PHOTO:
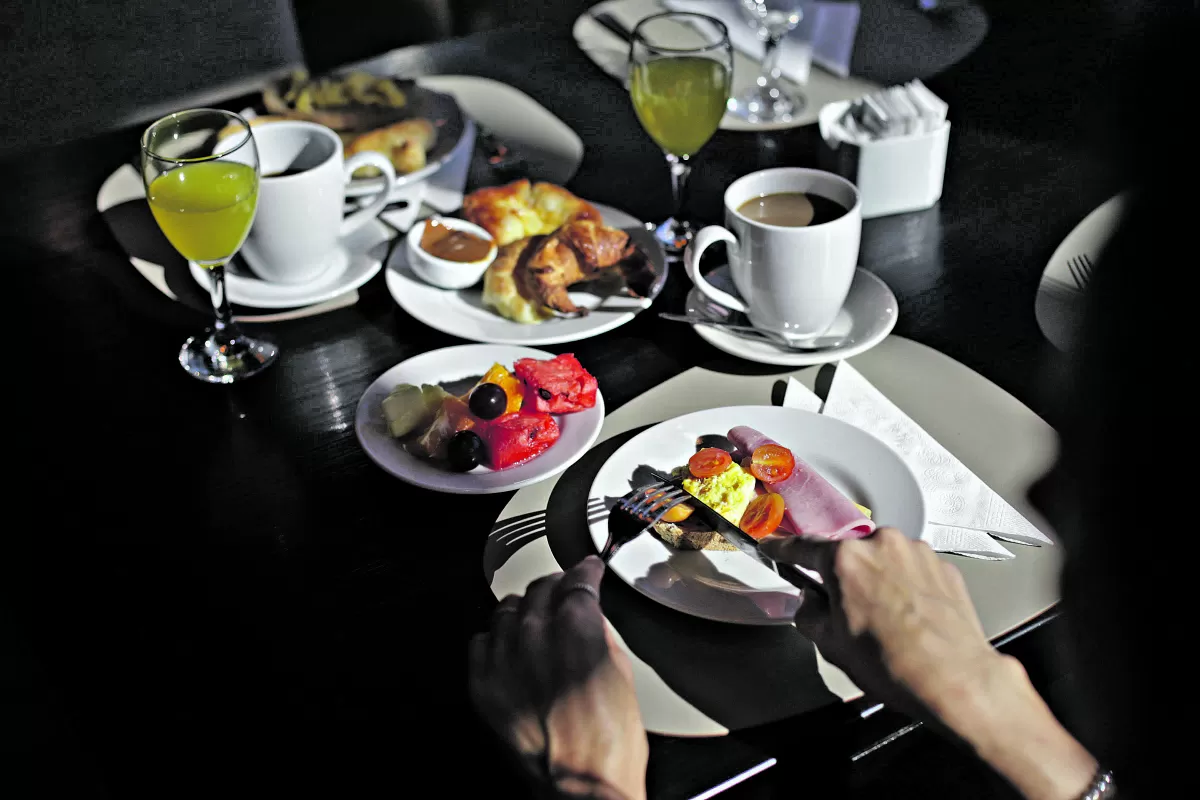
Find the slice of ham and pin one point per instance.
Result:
(814, 507)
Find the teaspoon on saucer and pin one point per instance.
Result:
(819, 343)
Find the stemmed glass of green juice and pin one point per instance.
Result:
(201, 172)
(680, 69)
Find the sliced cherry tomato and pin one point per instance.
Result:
(708, 462)
(679, 513)
(763, 515)
(772, 463)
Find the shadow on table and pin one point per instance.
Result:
(740, 676)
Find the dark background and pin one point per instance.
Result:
(116, 538)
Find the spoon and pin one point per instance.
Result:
(777, 339)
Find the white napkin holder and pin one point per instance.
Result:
(893, 175)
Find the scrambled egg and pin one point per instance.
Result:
(728, 493)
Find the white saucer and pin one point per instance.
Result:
(578, 431)
(731, 586)
(362, 257)
(865, 320)
(1059, 303)
(462, 313)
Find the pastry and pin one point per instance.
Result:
(521, 209)
(504, 293)
(576, 252)
(404, 144)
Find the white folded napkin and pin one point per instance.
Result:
(941, 532)
(825, 36)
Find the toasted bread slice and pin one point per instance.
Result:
(690, 535)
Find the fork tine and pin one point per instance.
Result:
(1086, 262)
(669, 498)
(653, 501)
(638, 495)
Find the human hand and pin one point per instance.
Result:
(900, 623)
(550, 681)
(897, 619)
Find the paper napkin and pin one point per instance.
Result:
(825, 36)
(941, 535)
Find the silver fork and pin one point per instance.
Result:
(1080, 268)
(637, 511)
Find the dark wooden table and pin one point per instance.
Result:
(212, 589)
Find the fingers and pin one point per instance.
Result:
(505, 624)
(813, 616)
(579, 632)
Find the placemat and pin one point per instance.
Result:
(685, 668)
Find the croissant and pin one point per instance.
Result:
(578, 251)
(519, 209)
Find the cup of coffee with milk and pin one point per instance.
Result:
(301, 194)
(792, 237)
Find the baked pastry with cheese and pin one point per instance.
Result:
(521, 209)
(404, 144)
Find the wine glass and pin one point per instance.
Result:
(680, 68)
(201, 172)
(769, 99)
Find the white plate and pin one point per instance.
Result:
(731, 586)
(462, 313)
(579, 430)
(866, 319)
(363, 251)
(1059, 303)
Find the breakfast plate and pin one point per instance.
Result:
(462, 313)
(456, 369)
(867, 317)
(357, 259)
(729, 586)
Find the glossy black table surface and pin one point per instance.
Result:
(215, 590)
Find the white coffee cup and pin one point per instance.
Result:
(791, 280)
(296, 232)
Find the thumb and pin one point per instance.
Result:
(814, 554)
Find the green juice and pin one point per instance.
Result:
(205, 209)
(680, 101)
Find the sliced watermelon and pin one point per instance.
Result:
(559, 385)
(516, 438)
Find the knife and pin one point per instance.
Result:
(801, 579)
(613, 25)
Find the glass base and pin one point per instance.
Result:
(221, 358)
(769, 102)
(674, 235)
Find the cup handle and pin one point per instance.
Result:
(691, 262)
(365, 215)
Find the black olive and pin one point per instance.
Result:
(465, 451)
(715, 440)
(488, 401)
(544, 394)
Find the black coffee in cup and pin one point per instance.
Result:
(792, 209)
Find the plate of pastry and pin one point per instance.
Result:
(565, 269)
(416, 128)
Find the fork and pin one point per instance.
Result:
(1080, 268)
(637, 511)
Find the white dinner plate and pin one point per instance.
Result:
(1059, 303)
(361, 258)
(731, 586)
(865, 320)
(450, 364)
(462, 313)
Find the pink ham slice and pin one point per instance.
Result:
(814, 507)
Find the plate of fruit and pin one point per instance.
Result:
(479, 419)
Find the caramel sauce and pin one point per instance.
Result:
(442, 241)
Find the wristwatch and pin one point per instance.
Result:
(1101, 788)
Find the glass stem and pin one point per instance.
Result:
(770, 62)
(224, 326)
(680, 170)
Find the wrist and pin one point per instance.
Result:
(1010, 727)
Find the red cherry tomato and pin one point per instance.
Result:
(708, 462)
(763, 515)
(772, 463)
